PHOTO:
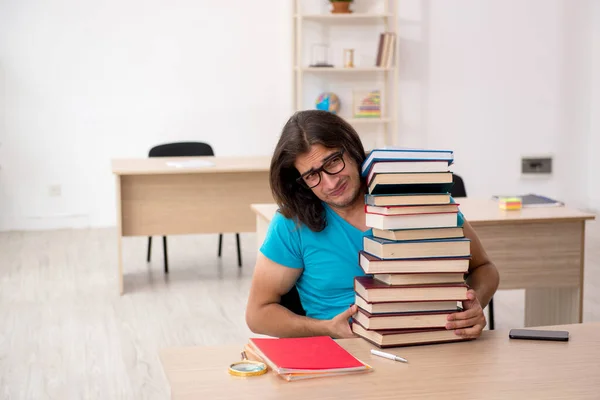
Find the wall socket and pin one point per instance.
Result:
(536, 165)
(54, 190)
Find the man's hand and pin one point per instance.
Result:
(339, 327)
(470, 322)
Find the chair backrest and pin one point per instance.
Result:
(291, 301)
(458, 188)
(181, 149)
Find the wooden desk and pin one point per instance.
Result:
(156, 199)
(540, 250)
(491, 367)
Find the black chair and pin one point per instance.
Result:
(459, 190)
(185, 149)
(291, 301)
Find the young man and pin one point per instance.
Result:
(314, 239)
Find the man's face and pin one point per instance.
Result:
(340, 189)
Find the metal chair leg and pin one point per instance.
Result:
(149, 248)
(237, 239)
(220, 243)
(165, 254)
(491, 310)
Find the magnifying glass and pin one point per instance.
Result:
(247, 367)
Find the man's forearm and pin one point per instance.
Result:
(276, 320)
(484, 280)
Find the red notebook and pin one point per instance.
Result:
(317, 354)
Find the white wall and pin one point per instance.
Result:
(497, 80)
(593, 183)
(573, 163)
(85, 81)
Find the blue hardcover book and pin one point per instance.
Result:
(399, 154)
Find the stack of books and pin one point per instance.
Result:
(417, 255)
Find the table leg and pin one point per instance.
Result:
(262, 224)
(120, 261)
(119, 234)
(552, 306)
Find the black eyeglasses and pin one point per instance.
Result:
(334, 164)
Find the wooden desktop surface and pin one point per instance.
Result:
(482, 212)
(158, 165)
(491, 367)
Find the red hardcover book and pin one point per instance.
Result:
(319, 354)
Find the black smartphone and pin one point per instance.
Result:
(537, 334)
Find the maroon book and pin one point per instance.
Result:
(375, 291)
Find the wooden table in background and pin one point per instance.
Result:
(540, 250)
(491, 367)
(154, 198)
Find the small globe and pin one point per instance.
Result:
(328, 102)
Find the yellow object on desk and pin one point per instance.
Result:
(247, 367)
(510, 203)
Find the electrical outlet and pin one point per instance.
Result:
(536, 165)
(54, 190)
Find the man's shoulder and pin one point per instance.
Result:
(289, 223)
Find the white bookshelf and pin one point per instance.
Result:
(376, 15)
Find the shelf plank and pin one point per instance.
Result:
(367, 120)
(343, 69)
(342, 17)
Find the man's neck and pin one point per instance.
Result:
(353, 213)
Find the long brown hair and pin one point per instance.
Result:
(301, 131)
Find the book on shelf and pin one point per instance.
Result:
(386, 50)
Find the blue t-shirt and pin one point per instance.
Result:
(329, 259)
